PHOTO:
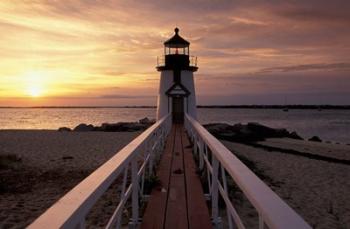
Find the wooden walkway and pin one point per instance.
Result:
(179, 202)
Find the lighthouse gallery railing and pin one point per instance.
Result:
(135, 158)
(161, 61)
(218, 161)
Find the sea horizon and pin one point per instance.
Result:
(330, 124)
(248, 106)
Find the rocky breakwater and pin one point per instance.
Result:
(245, 133)
(141, 125)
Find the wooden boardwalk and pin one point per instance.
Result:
(179, 202)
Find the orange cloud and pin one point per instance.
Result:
(88, 49)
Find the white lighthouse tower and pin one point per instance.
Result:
(176, 89)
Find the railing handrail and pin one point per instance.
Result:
(274, 211)
(68, 211)
(193, 60)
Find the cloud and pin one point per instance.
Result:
(316, 11)
(308, 67)
(117, 96)
(99, 44)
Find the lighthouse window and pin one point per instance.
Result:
(176, 50)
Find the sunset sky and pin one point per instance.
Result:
(103, 52)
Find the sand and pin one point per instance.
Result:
(317, 190)
(51, 163)
(54, 162)
(338, 151)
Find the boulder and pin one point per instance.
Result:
(267, 132)
(295, 135)
(84, 127)
(147, 121)
(144, 120)
(315, 139)
(122, 126)
(218, 127)
(250, 132)
(64, 129)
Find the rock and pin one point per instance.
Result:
(64, 129)
(251, 132)
(267, 132)
(9, 161)
(257, 127)
(294, 135)
(315, 139)
(142, 124)
(133, 126)
(84, 127)
(122, 126)
(217, 127)
(67, 157)
(147, 121)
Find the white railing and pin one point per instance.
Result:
(138, 156)
(218, 161)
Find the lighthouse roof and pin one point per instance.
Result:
(176, 41)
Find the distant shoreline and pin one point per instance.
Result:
(313, 107)
(297, 106)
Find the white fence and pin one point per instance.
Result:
(219, 161)
(137, 157)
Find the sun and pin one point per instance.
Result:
(34, 91)
(34, 83)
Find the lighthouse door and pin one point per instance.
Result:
(178, 109)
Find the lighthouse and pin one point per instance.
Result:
(177, 94)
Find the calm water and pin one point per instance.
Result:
(332, 125)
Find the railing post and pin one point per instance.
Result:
(229, 217)
(195, 145)
(208, 171)
(261, 222)
(215, 193)
(135, 195)
(81, 225)
(151, 157)
(201, 152)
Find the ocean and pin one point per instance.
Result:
(329, 125)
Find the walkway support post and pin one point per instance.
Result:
(215, 193)
(135, 195)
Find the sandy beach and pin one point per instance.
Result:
(318, 190)
(46, 165)
(49, 163)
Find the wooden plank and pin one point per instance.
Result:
(183, 205)
(154, 216)
(176, 214)
(198, 213)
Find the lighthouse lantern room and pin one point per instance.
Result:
(176, 90)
